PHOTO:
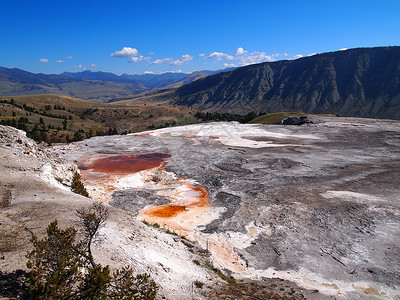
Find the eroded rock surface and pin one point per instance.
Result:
(316, 204)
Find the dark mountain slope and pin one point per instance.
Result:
(89, 75)
(20, 76)
(358, 82)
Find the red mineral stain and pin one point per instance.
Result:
(166, 211)
(106, 168)
(122, 164)
(202, 198)
(171, 210)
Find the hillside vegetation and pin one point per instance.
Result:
(57, 118)
(275, 118)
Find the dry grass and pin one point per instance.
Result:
(92, 117)
(12, 233)
(275, 118)
(7, 196)
(268, 289)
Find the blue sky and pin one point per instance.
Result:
(134, 37)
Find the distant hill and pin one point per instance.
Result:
(88, 85)
(59, 118)
(89, 75)
(148, 81)
(362, 82)
(18, 82)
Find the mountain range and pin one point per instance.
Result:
(358, 82)
(88, 85)
(148, 81)
(362, 82)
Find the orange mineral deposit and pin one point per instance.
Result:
(166, 211)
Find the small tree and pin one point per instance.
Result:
(78, 136)
(63, 268)
(77, 185)
(54, 263)
(65, 123)
(91, 220)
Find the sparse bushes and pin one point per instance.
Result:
(228, 278)
(61, 267)
(196, 262)
(198, 284)
(154, 225)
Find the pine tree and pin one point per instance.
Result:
(77, 185)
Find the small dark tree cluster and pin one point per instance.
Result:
(58, 107)
(78, 135)
(225, 117)
(63, 268)
(77, 185)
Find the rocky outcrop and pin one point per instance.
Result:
(16, 147)
(295, 121)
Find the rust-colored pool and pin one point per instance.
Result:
(120, 164)
(166, 211)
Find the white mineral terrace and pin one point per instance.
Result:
(323, 212)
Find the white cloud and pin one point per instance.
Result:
(229, 65)
(69, 57)
(177, 71)
(176, 63)
(202, 54)
(297, 56)
(217, 55)
(93, 65)
(125, 52)
(148, 72)
(136, 59)
(342, 49)
(239, 51)
(43, 60)
(220, 55)
(312, 54)
(80, 67)
(182, 60)
(255, 58)
(151, 53)
(160, 61)
(243, 57)
(186, 57)
(59, 61)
